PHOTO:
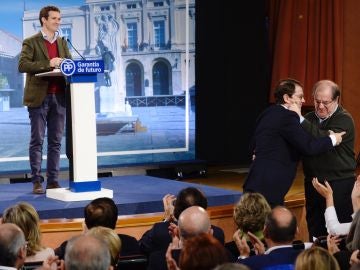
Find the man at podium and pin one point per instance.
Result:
(45, 96)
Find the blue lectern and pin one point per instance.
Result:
(83, 182)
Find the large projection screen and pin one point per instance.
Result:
(145, 102)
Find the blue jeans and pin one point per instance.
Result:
(50, 115)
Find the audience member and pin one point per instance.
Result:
(278, 143)
(334, 227)
(316, 258)
(104, 212)
(192, 221)
(87, 252)
(336, 166)
(112, 240)
(158, 237)
(25, 216)
(249, 215)
(12, 247)
(279, 232)
(343, 255)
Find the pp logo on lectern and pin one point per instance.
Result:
(67, 67)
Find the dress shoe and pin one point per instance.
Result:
(37, 188)
(52, 185)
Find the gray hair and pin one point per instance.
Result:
(86, 252)
(11, 240)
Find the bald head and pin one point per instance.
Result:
(282, 216)
(87, 252)
(280, 225)
(193, 221)
(12, 245)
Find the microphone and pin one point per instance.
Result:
(68, 40)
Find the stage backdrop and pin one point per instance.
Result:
(144, 101)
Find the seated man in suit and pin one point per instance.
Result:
(104, 212)
(279, 232)
(158, 237)
(193, 221)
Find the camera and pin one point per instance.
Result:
(321, 241)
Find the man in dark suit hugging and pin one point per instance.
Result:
(279, 141)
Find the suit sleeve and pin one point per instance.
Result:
(343, 122)
(305, 143)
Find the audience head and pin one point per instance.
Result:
(193, 221)
(25, 216)
(87, 252)
(12, 246)
(232, 266)
(111, 239)
(101, 212)
(353, 237)
(286, 87)
(316, 258)
(202, 252)
(187, 197)
(250, 212)
(280, 226)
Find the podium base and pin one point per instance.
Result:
(64, 194)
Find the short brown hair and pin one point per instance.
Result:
(286, 86)
(44, 12)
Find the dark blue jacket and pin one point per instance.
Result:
(278, 143)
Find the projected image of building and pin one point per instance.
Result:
(143, 44)
(144, 100)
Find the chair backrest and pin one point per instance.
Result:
(133, 262)
(32, 265)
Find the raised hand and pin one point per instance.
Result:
(168, 202)
(324, 190)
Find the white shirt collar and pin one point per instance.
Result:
(277, 247)
(46, 37)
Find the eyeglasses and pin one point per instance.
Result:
(325, 103)
(26, 244)
(298, 96)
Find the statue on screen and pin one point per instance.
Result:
(112, 97)
(108, 27)
(108, 58)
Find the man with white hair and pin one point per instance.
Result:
(12, 246)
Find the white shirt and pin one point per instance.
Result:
(332, 223)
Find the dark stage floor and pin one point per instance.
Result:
(133, 194)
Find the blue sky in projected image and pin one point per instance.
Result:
(11, 12)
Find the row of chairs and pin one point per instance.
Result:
(135, 262)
